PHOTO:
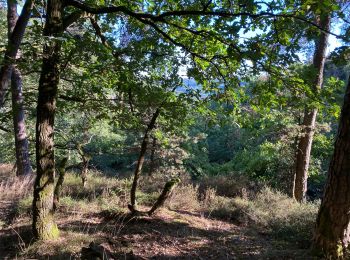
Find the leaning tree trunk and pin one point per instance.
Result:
(13, 44)
(141, 160)
(44, 226)
(331, 235)
(168, 188)
(18, 115)
(308, 126)
(152, 158)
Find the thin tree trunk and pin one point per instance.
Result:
(21, 140)
(331, 235)
(13, 45)
(305, 141)
(57, 192)
(168, 187)
(84, 170)
(44, 226)
(152, 159)
(303, 155)
(141, 160)
(84, 156)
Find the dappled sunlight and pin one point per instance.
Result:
(174, 129)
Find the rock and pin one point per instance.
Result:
(96, 252)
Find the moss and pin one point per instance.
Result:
(55, 232)
(47, 228)
(170, 184)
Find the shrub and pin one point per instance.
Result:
(269, 211)
(24, 205)
(283, 216)
(156, 182)
(228, 186)
(184, 197)
(146, 199)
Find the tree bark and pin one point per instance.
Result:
(331, 235)
(303, 155)
(305, 141)
(152, 159)
(57, 191)
(13, 45)
(85, 164)
(21, 140)
(141, 159)
(168, 187)
(44, 226)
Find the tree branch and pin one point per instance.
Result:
(5, 129)
(72, 18)
(180, 13)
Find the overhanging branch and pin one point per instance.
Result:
(180, 13)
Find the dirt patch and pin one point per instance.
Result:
(168, 235)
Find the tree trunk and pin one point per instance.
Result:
(84, 170)
(13, 44)
(331, 235)
(21, 141)
(44, 226)
(141, 159)
(152, 159)
(303, 155)
(85, 162)
(57, 192)
(168, 187)
(305, 141)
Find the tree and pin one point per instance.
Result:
(305, 140)
(21, 141)
(13, 45)
(208, 33)
(44, 226)
(331, 235)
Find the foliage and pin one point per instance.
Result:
(231, 79)
(289, 220)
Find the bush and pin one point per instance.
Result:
(217, 206)
(24, 206)
(97, 185)
(269, 211)
(283, 216)
(156, 182)
(184, 197)
(228, 186)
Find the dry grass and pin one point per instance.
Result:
(270, 212)
(184, 197)
(229, 186)
(5, 170)
(12, 187)
(197, 222)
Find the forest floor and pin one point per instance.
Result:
(169, 234)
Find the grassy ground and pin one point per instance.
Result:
(196, 223)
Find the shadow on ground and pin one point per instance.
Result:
(169, 235)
